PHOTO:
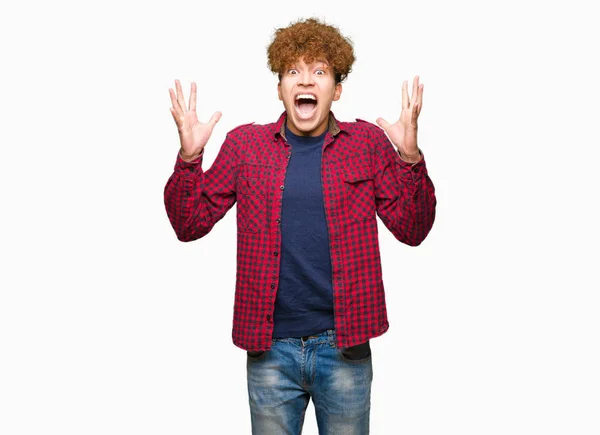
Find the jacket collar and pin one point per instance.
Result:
(333, 127)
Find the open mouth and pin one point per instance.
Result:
(306, 105)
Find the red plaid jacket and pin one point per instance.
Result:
(362, 176)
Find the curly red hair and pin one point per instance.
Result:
(313, 40)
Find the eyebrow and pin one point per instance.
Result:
(323, 62)
(324, 65)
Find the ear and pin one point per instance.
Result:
(279, 91)
(337, 93)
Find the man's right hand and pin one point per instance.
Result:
(193, 134)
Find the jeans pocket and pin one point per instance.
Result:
(358, 353)
(256, 355)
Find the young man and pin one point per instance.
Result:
(309, 291)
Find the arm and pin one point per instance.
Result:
(404, 194)
(196, 200)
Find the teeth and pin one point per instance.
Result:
(306, 96)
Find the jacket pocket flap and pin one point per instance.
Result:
(249, 186)
(353, 174)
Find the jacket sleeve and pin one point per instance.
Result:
(404, 193)
(196, 200)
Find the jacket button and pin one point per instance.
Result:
(278, 220)
(281, 187)
(272, 285)
(275, 253)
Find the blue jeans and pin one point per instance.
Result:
(281, 382)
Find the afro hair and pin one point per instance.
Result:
(312, 40)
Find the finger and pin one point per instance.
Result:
(413, 96)
(180, 96)
(404, 94)
(175, 117)
(214, 119)
(420, 99)
(414, 115)
(193, 97)
(383, 123)
(175, 103)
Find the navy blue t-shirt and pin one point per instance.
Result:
(304, 302)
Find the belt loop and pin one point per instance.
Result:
(331, 335)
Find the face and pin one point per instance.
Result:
(307, 91)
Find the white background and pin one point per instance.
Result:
(110, 325)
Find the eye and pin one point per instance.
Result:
(320, 72)
(292, 71)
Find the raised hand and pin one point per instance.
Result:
(403, 133)
(193, 134)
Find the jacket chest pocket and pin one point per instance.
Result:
(251, 204)
(360, 193)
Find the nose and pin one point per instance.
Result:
(306, 78)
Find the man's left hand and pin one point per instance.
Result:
(403, 133)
